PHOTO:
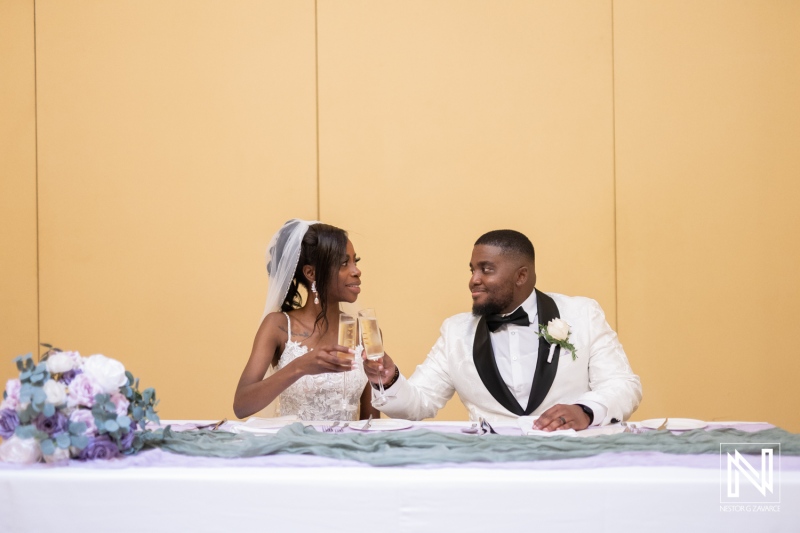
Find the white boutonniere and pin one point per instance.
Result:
(556, 332)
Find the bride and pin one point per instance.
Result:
(300, 339)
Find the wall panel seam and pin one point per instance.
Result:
(316, 95)
(36, 177)
(614, 170)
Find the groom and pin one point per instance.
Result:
(498, 364)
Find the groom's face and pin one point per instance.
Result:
(494, 273)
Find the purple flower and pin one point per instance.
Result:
(8, 423)
(85, 416)
(120, 402)
(13, 387)
(127, 440)
(101, 447)
(67, 377)
(52, 424)
(82, 391)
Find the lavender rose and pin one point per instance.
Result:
(120, 402)
(67, 377)
(101, 447)
(82, 391)
(8, 423)
(85, 416)
(52, 424)
(12, 394)
(127, 440)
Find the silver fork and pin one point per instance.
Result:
(332, 428)
(369, 423)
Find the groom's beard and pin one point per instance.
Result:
(495, 303)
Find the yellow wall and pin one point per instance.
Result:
(18, 297)
(442, 120)
(708, 188)
(174, 137)
(647, 148)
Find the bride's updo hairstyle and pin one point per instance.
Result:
(324, 248)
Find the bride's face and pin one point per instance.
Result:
(348, 282)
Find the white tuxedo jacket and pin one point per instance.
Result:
(601, 373)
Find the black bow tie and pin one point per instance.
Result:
(519, 317)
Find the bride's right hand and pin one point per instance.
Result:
(323, 360)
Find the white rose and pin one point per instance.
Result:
(56, 392)
(20, 451)
(59, 455)
(107, 373)
(61, 362)
(558, 329)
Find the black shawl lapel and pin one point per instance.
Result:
(483, 356)
(545, 372)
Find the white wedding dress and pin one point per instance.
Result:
(318, 397)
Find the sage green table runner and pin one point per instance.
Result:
(424, 446)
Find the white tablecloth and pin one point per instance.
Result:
(356, 498)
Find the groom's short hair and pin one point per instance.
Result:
(510, 241)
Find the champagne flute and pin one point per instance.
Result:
(347, 338)
(373, 346)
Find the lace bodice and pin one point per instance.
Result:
(318, 397)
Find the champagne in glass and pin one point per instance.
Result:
(373, 346)
(347, 338)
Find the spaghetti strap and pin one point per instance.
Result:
(288, 326)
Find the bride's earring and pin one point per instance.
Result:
(314, 290)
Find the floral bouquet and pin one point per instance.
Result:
(71, 406)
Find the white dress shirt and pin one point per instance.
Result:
(516, 351)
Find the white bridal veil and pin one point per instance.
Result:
(283, 253)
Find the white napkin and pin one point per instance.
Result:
(526, 425)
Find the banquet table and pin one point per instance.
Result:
(157, 490)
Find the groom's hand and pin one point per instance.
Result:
(381, 370)
(562, 416)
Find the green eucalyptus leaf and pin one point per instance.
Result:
(47, 446)
(25, 375)
(110, 408)
(63, 440)
(37, 378)
(79, 441)
(77, 428)
(38, 395)
(24, 432)
(124, 422)
(25, 393)
(49, 409)
(111, 426)
(138, 412)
